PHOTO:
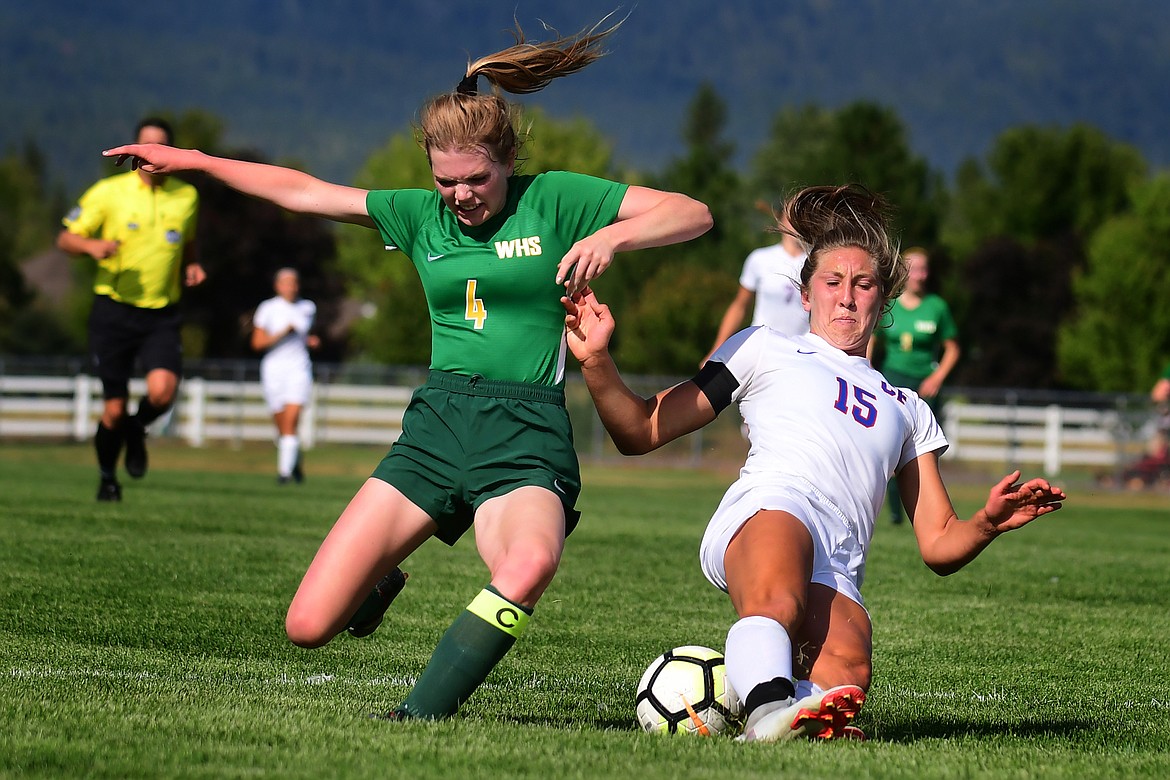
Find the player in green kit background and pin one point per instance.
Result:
(486, 442)
(918, 346)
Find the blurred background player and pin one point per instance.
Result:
(789, 541)
(771, 281)
(1154, 467)
(487, 442)
(281, 329)
(140, 228)
(918, 349)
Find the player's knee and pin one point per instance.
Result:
(305, 629)
(526, 572)
(784, 607)
(161, 398)
(113, 418)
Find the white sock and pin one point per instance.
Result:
(288, 448)
(807, 688)
(758, 650)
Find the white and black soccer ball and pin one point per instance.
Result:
(686, 691)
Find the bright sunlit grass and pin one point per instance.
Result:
(145, 639)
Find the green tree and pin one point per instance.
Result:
(1120, 338)
(1015, 296)
(27, 326)
(861, 142)
(649, 290)
(1019, 223)
(668, 329)
(706, 172)
(795, 153)
(1039, 183)
(395, 325)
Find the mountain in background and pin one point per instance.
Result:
(326, 83)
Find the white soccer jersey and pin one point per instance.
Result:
(286, 364)
(774, 276)
(825, 419)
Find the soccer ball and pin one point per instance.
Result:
(686, 690)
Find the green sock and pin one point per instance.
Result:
(477, 640)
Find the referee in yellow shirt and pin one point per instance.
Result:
(140, 228)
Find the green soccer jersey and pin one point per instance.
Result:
(491, 289)
(914, 338)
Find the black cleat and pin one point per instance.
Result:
(369, 615)
(109, 490)
(298, 475)
(135, 448)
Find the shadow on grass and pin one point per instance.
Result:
(571, 723)
(918, 729)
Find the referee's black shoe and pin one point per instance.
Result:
(135, 435)
(369, 615)
(109, 490)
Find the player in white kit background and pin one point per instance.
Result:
(788, 542)
(770, 280)
(281, 329)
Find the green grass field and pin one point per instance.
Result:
(146, 639)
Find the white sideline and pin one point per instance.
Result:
(51, 673)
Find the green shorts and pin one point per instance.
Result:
(467, 439)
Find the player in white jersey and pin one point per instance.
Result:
(281, 329)
(771, 280)
(788, 542)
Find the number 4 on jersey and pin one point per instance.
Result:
(475, 308)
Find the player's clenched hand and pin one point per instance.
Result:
(585, 261)
(102, 249)
(194, 275)
(588, 324)
(1011, 505)
(152, 158)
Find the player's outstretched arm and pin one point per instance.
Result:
(948, 543)
(291, 189)
(637, 425)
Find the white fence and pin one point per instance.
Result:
(206, 411)
(1051, 436)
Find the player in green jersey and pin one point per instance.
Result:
(486, 443)
(918, 346)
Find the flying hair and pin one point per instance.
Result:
(464, 120)
(825, 217)
(525, 67)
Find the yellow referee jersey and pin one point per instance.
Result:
(152, 226)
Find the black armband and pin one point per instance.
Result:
(716, 381)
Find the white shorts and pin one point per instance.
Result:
(284, 387)
(838, 557)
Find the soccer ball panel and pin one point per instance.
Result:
(686, 690)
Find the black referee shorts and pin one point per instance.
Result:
(120, 333)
